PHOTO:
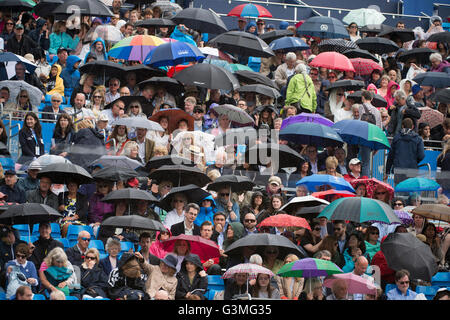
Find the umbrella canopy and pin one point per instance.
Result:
(405, 251)
(363, 17)
(280, 156)
(146, 105)
(135, 48)
(365, 66)
(47, 159)
(435, 211)
(114, 174)
(235, 114)
(65, 172)
(417, 184)
(287, 44)
(170, 84)
(237, 184)
(174, 115)
(443, 96)
(433, 79)
(133, 221)
(83, 7)
(122, 162)
(331, 193)
(377, 101)
(168, 8)
(404, 35)
(359, 209)
(171, 159)
(440, 37)
(323, 27)
(209, 76)
(104, 68)
(194, 194)
(372, 184)
(197, 138)
(346, 85)
(29, 213)
(421, 55)
(216, 53)
(155, 22)
(332, 60)
(261, 89)
(250, 10)
(261, 241)
(143, 72)
(243, 44)
(285, 220)
(106, 32)
(302, 202)
(205, 249)
(355, 283)
(180, 175)
(235, 136)
(250, 268)
(311, 134)
(16, 6)
(362, 133)
(172, 54)
(338, 45)
(377, 45)
(404, 217)
(15, 86)
(252, 77)
(309, 268)
(139, 122)
(375, 29)
(202, 20)
(8, 62)
(317, 180)
(129, 194)
(307, 117)
(273, 35)
(237, 66)
(359, 53)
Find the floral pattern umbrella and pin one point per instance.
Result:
(371, 186)
(250, 268)
(430, 116)
(365, 66)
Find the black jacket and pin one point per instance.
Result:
(74, 255)
(406, 152)
(184, 285)
(82, 204)
(22, 47)
(94, 279)
(178, 228)
(42, 248)
(88, 146)
(14, 194)
(28, 145)
(62, 144)
(39, 37)
(48, 116)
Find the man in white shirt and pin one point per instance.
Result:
(79, 109)
(114, 113)
(361, 265)
(113, 92)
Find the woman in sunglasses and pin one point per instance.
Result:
(26, 267)
(97, 102)
(94, 280)
(23, 103)
(372, 242)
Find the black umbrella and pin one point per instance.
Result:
(310, 213)
(323, 27)
(375, 28)
(440, 37)
(422, 55)
(194, 194)
(15, 5)
(338, 45)
(242, 43)
(45, 7)
(280, 156)
(433, 79)
(115, 174)
(442, 96)
(268, 37)
(359, 53)
(142, 72)
(252, 77)
(261, 241)
(147, 106)
(83, 7)
(404, 35)
(377, 101)
(260, 89)
(29, 213)
(170, 84)
(129, 194)
(120, 162)
(346, 85)
(208, 76)
(237, 184)
(155, 22)
(64, 172)
(200, 20)
(133, 222)
(377, 45)
(180, 175)
(169, 160)
(405, 251)
(103, 68)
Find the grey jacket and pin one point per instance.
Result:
(34, 196)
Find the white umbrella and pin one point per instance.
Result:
(139, 122)
(106, 32)
(47, 159)
(306, 201)
(234, 113)
(364, 16)
(200, 139)
(15, 86)
(11, 61)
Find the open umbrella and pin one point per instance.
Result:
(377, 45)
(309, 268)
(202, 20)
(155, 22)
(250, 268)
(237, 184)
(121, 162)
(260, 89)
(129, 194)
(346, 85)
(252, 77)
(280, 156)
(170, 84)
(243, 44)
(287, 44)
(237, 66)
(377, 101)
(417, 184)
(355, 284)
(273, 35)
(333, 193)
(135, 48)
(372, 184)
(302, 202)
(359, 53)
(16, 6)
(8, 62)
(168, 8)
(363, 17)
(216, 53)
(318, 180)
(431, 116)
(338, 45)
(29, 213)
(83, 7)
(174, 115)
(405, 251)
(421, 55)
(440, 37)
(205, 249)
(404, 35)
(194, 194)
(106, 32)
(433, 79)
(47, 159)
(323, 27)
(332, 60)
(250, 10)
(365, 66)
(180, 175)
(172, 54)
(307, 117)
(142, 72)
(64, 172)
(359, 209)
(234, 114)
(15, 86)
(285, 220)
(362, 133)
(133, 221)
(311, 134)
(114, 174)
(208, 76)
(433, 211)
(442, 95)
(171, 159)
(139, 122)
(104, 68)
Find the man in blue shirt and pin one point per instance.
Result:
(402, 291)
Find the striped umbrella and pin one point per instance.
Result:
(359, 209)
(417, 184)
(338, 45)
(365, 66)
(309, 268)
(250, 10)
(135, 48)
(250, 268)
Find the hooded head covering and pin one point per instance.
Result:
(372, 86)
(192, 258)
(250, 24)
(70, 62)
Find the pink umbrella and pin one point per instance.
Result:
(355, 283)
(250, 268)
(205, 249)
(430, 116)
(332, 60)
(365, 66)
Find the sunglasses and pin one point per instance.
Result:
(91, 258)
(134, 106)
(21, 256)
(340, 94)
(377, 193)
(398, 204)
(103, 186)
(332, 77)
(9, 24)
(403, 282)
(24, 96)
(97, 97)
(86, 239)
(224, 194)
(178, 201)
(56, 100)
(317, 229)
(198, 111)
(374, 232)
(249, 220)
(337, 229)
(314, 74)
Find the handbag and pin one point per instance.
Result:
(15, 279)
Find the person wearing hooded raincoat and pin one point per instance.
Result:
(157, 248)
(70, 75)
(99, 55)
(179, 35)
(191, 288)
(55, 84)
(389, 95)
(206, 213)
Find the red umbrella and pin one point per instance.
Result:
(431, 116)
(205, 249)
(174, 115)
(371, 186)
(285, 220)
(173, 70)
(332, 60)
(332, 192)
(250, 10)
(365, 66)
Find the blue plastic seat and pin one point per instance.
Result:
(7, 163)
(215, 284)
(64, 241)
(441, 279)
(2, 295)
(74, 230)
(28, 239)
(126, 246)
(39, 297)
(254, 63)
(23, 229)
(71, 298)
(428, 291)
(97, 244)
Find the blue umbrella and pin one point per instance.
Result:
(323, 27)
(287, 44)
(317, 180)
(311, 133)
(172, 54)
(417, 184)
(433, 79)
(8, 60)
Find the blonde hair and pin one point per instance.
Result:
(95, 252)
(85, 123)
(331, 161)
(161, 149)
(56, 254)
(213, 174)
(128, 147)
(57, 295)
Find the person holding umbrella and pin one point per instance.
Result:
(236, 286)
(227, 205)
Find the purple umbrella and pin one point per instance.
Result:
(308, 268)
(404, 217)
(307, 117)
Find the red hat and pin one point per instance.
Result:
(133, 182)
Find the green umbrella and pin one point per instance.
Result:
(308, 268)
(359, 209)
(238, 67)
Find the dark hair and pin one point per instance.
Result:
(3, 136)
(37, 126)
(219, 213)
(440, 294)
(366, 94)
(401, 273)
(429, 224)
(368, 230)
(360, 238)
(58, 128)
(407, 123)
(144, 235)
(206, 223)
(256, 288)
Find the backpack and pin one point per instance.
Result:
(367, 116)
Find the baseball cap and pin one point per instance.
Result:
(19, 26)
(276, 180)
(10, 172)
(62, 49)
(355, 161)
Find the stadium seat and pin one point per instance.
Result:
(126, 246)
(390, 286)
(39, 297)
(254, 63)
(215, 284)
(97, 244)
(428, 291)
(65, 242)
(56, 230)
(2, 295)
(86, 298)
(71, 298)
(28, 239)
(441, 279)
(7, 164)
(74, 230)
(23, 229)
